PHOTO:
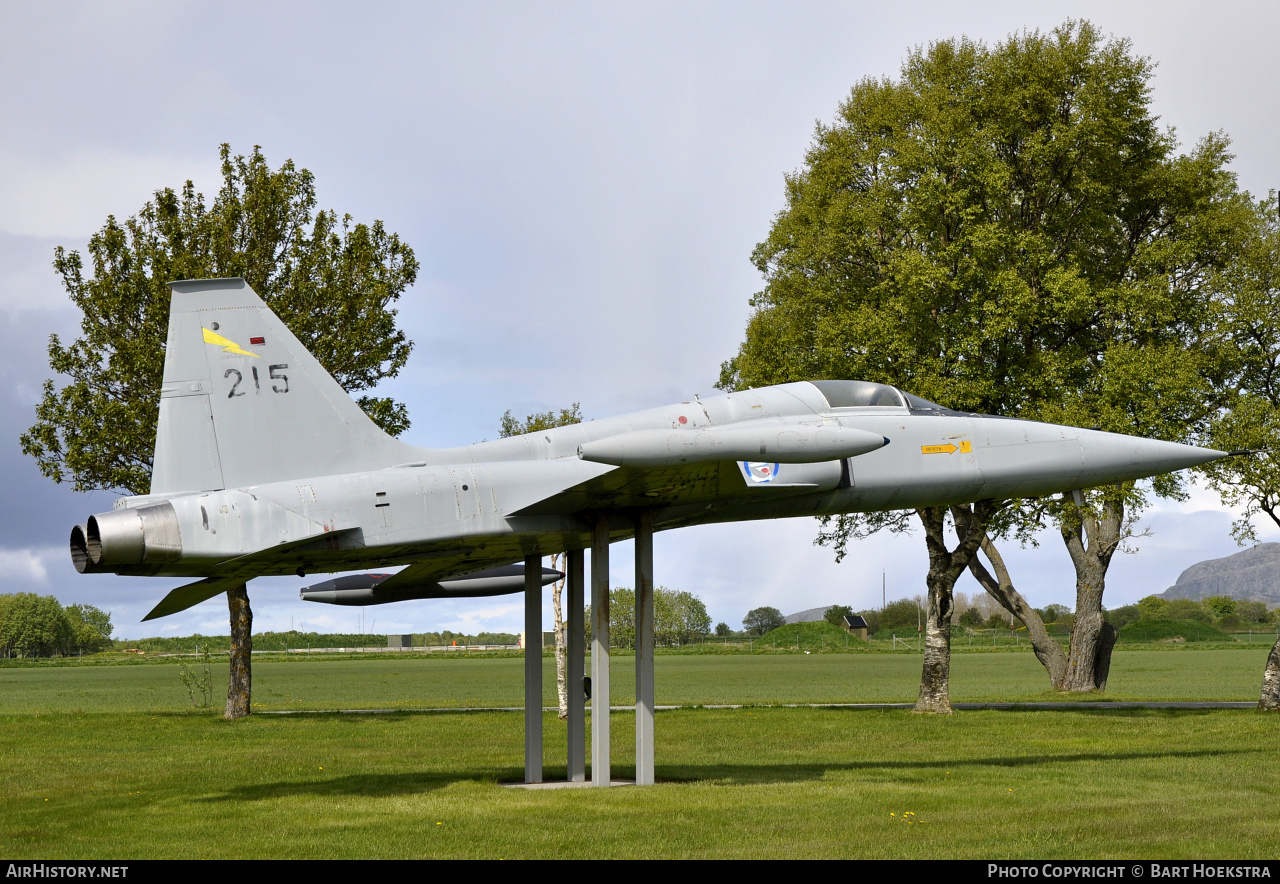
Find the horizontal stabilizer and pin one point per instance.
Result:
(763, 441)
(243, 568)
(191, 595)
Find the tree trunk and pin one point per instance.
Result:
(238, 686)
(1091, 644)
(1270, 699)
(1000, 588)
(1102, 663)
(945, 567)
(557, 613)
(935, 677)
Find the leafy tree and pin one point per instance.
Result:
(90, 627)
(332, 281)
(1189, 609)
(1252, 612)
(678, 617)
(971, 618)
(996, 621)
(544, 420)
(33, 626)
(761, 620)
(1006, 230)
(899, 614)
(1122, 616)
(1252, 422)
(723, 630)
(1053, 613)
(1220, 605)
(1153, 608)
(622, 616)
(533, 423)
(836, 613)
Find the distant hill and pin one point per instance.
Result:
(1249, 575)
(813, 615)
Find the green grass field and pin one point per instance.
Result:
(422, 682)
(106, 761)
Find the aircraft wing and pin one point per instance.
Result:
(240, 570)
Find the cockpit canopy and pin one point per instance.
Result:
(859, 394)
(864, 394)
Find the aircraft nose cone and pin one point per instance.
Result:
(1113, 457)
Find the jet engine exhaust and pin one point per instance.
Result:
(127, 537)
(363, 589)
(80, 550)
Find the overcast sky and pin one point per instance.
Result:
(583, 185)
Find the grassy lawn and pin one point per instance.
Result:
(456, 681)
(107, 761)
(733, 783)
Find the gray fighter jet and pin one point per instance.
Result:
(264, 466)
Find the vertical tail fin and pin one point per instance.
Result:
(244, 403)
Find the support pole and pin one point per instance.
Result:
(576, 651)
(533, 669)
(600, 773)
(644, 648)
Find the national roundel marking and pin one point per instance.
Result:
(761, 472)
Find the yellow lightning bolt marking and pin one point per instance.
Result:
(227, 346)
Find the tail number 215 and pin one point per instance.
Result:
(277, 374)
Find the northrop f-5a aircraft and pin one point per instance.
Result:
(264, 466)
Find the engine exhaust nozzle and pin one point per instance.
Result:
(131, 536)
(80, 550)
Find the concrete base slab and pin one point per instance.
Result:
(562, 784)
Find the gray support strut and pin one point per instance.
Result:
(575, 652)
(600, 772)
(533, 669)
(644, 648)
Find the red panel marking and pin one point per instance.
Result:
(683, 419)
(257, 340)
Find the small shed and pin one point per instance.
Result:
(399, 642)
(854, 624)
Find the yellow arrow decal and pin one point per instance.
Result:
(965, 445)
(227, 346)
